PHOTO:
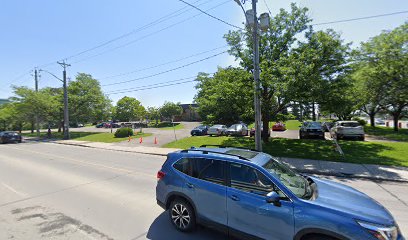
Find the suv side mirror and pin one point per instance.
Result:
(273, 197)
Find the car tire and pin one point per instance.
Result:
(20, 141)
(362, 138)
(182, 215)
(337, 136)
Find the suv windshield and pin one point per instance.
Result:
(313, 125)
(292, 180)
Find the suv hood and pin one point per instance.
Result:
(342, 198)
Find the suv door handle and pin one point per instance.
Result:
(189, 185)
(234, 198)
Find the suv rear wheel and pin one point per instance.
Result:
(182, 215)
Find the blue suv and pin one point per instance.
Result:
(251, 195)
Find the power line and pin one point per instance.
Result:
(147, 88)
(216, 18)
(170, 70)
(360, 18)
(151, 24)
(267, 7)
(150, 85)
(148, 35)
(162, 64)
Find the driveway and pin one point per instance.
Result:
(162, 136)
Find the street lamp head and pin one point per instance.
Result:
(264, 21)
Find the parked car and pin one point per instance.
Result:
(327, 126)
(252, 195)
(199, 130)
(279, 127)
(217, 129)
(10, 137)
(347, 129)
(311, 130)
(115, 125)
(379, 121)
(80, 125)
(239, 129)
(252, 131)
(100, 125)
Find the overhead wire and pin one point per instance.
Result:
(147, 35)
(162, 64)
(166, 71)
(212, 16)
(360, 18)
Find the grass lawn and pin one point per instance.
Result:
(382, 153)
(90, 136)
(388, 133)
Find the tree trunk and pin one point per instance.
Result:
(372, 120)
(396, 116)
(32, 126)
(301, 112)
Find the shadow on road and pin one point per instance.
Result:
(161, 229)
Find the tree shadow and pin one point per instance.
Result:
(161, 229)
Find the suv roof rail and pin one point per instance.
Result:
(223, 146)
(206, 152)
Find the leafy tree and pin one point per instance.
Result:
(276, 45)
(154, 113)
(28, 104)
(87, 103)
(384, 61)
(321, 70)
(170, 109)
(226, 97)
(129, 109)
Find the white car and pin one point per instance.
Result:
(217, 130)
(344, 129)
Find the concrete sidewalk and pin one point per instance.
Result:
(339, 169)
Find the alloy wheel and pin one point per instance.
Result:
(180, 216)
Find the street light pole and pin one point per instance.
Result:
(37, 124)
(257, 102)
(66, 114)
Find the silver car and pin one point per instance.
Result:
(217, 130)
(343, 129)
(237, 130)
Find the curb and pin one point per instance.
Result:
(304, 171)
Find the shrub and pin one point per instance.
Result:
(123, 132)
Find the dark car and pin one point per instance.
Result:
(99, 125)
(10, 137)
(199, 131)
(311, 130)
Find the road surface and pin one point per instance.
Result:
(51, 191)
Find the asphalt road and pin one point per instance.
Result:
(50, 191)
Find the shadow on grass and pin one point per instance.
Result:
(59, 135)
(387, 133)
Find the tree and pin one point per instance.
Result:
(29, 104)
(129, 109)
(87, 103)
(170, 109)
(154, 113)
(276, 45)
(226, 97)
(321, 68)
(384, 61)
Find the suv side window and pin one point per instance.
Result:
(249, 179)
(184, 165)
(210, 170)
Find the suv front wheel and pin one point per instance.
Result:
(182, 215)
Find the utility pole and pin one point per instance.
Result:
(37, 124)
(257, 102)
(66, 114)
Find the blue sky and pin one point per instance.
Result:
(39, 33)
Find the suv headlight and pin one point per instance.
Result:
(380, 232)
